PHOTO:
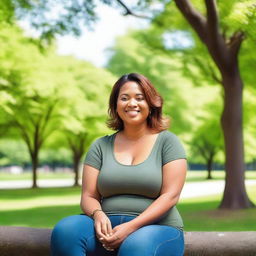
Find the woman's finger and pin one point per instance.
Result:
(109, 228)
(99, 231)
(104, 228)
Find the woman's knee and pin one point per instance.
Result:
(69, 224)
(69, 231)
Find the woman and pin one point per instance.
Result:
(132, 181)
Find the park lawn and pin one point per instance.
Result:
(44, 207)
(202, 214)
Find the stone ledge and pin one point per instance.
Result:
(22, 241)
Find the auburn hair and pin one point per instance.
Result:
(155, 119)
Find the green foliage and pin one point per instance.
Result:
(207, 140)
(50, 18)
(6, 12)
(249, 124)
(13, 152)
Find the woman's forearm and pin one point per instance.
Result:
(156, 210)
(89, 204)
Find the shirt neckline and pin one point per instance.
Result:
(133, 165)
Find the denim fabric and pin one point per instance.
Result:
(75, 236)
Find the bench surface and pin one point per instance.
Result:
(22, 241)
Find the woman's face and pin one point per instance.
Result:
(132, 106)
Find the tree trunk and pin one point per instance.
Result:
(76, 160)
(234, 196)
(209, 168)
(34, 159)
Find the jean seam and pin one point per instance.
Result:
(166, 242)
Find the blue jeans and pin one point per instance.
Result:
(75, 236)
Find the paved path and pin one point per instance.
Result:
(191, 189)
(204, 188)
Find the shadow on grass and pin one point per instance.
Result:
(45, 217)
(205, 216)
(28, 193)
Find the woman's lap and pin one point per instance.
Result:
(75, 236)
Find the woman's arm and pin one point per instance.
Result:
(174, 174)
(90, 201)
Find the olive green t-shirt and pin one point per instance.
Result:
(130, 189)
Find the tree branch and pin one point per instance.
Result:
(235, 43)
(128, 11)
(212, 18)
(194, 17)
(25, 135)
(216, 42)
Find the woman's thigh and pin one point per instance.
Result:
(153, 240)
(75, 236)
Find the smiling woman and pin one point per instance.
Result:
(132, 181)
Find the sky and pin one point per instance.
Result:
(92, 45)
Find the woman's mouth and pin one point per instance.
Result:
(132, 113)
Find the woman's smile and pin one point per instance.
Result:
(132, 113)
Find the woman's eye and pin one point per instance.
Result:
(123, 99)
(140, 99)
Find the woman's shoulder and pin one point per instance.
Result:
(172, 148)
(168, 135)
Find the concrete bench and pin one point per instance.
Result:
(21, 241)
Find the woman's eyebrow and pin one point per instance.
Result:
(137, 94)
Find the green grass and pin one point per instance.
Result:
(202, 214)
(44, 207)
(41, 207)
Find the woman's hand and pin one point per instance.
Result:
(102, 225)
(120, 232)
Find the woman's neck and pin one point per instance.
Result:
(135, 133)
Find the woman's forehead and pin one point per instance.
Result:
(131, 87)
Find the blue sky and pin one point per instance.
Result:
(91, 45)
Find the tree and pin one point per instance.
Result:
(33, 92)
(206, 143)
(224, 52)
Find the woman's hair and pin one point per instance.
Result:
(155, 119)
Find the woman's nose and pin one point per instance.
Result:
(132, 102)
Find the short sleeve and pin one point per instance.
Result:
(172, 149)
(94, 155)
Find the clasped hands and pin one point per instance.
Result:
(110, 238)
